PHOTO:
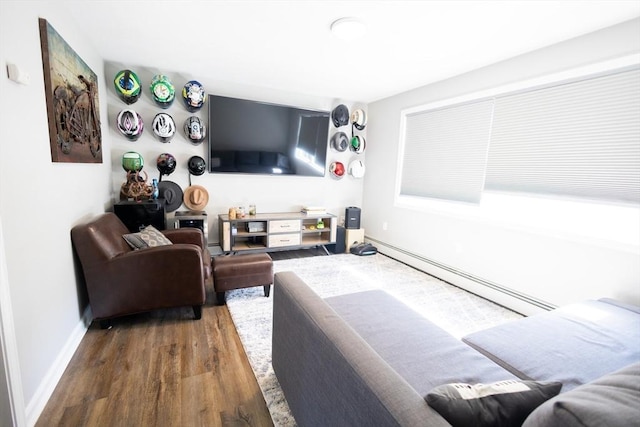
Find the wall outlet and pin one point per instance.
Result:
(385, 226)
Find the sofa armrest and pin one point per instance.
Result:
(132, 282)
(329, 374)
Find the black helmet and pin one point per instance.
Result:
(340, 115)
(195, 129)
(166, 164)
(197, 166)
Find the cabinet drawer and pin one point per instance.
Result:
(281, 240)
(284, 225)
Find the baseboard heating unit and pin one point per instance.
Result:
(502, 295)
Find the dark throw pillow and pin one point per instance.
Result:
(504, 403)
(611, 401)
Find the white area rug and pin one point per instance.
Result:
(452, 308)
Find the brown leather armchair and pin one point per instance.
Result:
(122, 281)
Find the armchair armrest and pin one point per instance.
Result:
(195, 236)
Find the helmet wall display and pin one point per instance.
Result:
(337, 169)
(162, 91)
(358, 144)
(197, 165)
(340, 141)
(340, 115)
(132, 161)
(166, 164)
(127, 86)
(130, 124)
(164, 128)
(359, 119)
(193, 95)
(195, 130)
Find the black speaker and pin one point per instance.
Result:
(352, 218)
(340, 246)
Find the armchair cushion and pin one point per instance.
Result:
(148, 237)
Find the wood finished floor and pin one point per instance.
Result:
(160, 369)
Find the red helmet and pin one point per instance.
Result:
(337, 169)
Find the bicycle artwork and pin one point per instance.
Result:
(71, 89)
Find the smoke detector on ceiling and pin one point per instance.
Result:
(348, 28)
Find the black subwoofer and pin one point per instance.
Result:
(352, 218)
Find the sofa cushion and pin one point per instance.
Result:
(574, 344)
(608, 401)
(422, 353)
(504, 403)
(148, 237)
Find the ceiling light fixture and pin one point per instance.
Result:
(348, 28)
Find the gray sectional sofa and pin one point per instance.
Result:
(366, 359)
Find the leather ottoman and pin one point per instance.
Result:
(241, 271)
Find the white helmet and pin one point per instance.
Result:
(130, 124)
(356, 168)
(359, 119)
(164, 127)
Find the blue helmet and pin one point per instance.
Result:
(193, 95)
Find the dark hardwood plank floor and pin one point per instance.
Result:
(160, 369)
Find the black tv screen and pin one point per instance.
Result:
(259, 138)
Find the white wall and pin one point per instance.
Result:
(550, 266)
(268, 193)
(40, 201)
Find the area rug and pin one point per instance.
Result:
(453, 309)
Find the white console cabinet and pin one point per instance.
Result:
(276, 231)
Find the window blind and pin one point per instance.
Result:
(577, 139)
(445, 152)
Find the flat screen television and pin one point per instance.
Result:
(253, 137)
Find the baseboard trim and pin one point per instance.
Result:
(48, 384)
(514, 300)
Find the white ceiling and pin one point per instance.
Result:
(287, 45)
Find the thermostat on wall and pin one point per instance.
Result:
(17, 75)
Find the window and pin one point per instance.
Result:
(446, 151)
(576, 138)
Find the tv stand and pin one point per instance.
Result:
(275, 232)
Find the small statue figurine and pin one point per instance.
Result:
(156, 190)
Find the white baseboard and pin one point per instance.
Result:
(48, 384)
(501, 295)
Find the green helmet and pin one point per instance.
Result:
(132, 161)
(162, 91)
(127, 86)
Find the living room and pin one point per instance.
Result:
(541, 264)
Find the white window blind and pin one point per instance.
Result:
(579, 139)
(445, 152)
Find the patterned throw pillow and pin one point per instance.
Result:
(149, 237)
